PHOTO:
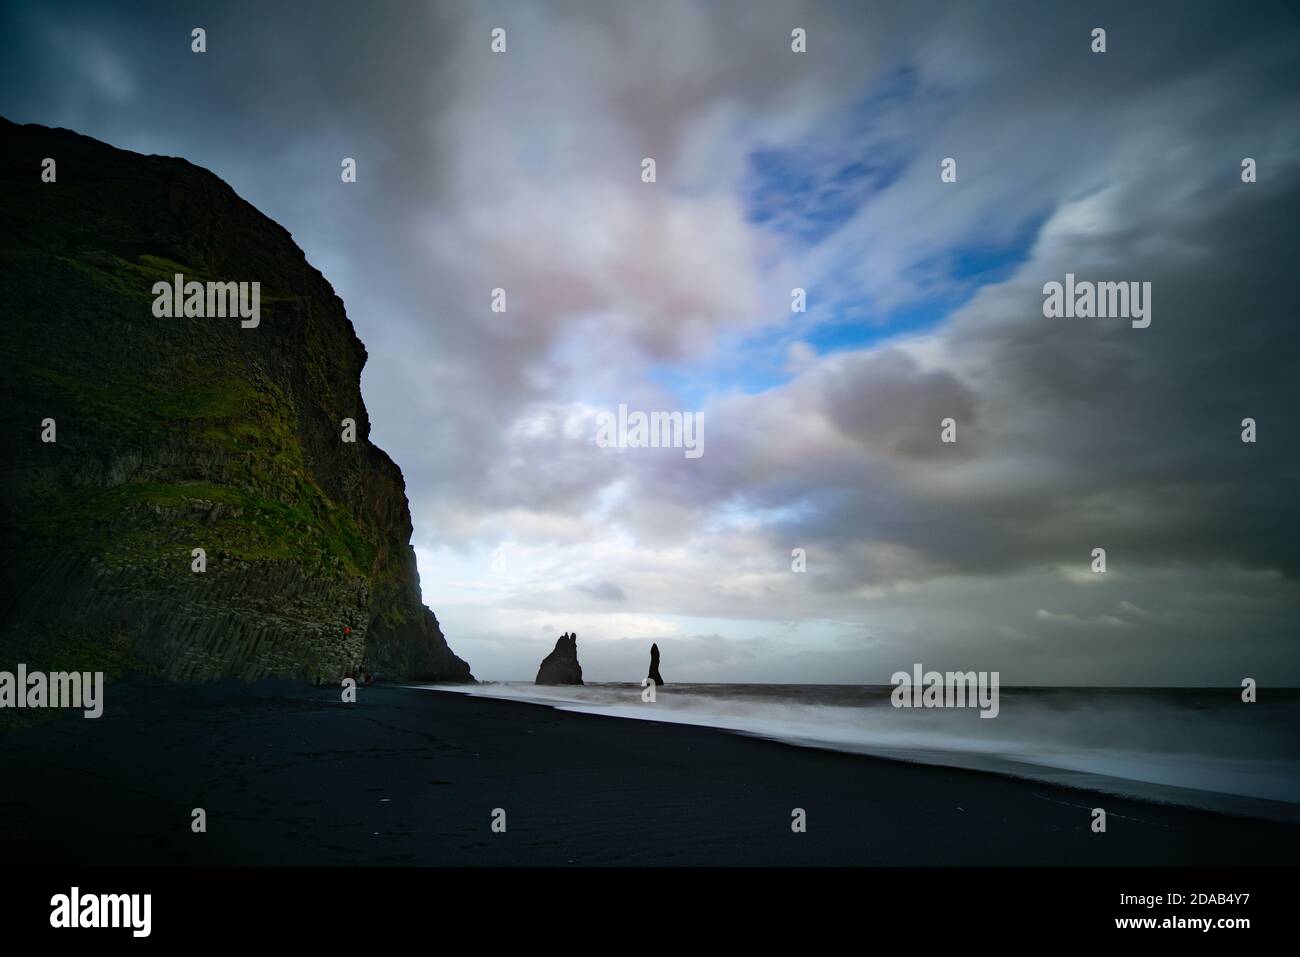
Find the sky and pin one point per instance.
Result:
(777, 170)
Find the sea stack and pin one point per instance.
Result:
(561, 666)
(654, 666)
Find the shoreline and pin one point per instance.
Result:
(288, 775)
(1086, 782)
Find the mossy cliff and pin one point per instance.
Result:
(179, 433)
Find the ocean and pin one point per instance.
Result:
(1194, 747)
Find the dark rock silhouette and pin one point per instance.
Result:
(188, 432)
(654, 666)
(561, 666)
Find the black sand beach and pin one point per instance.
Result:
(289, 775)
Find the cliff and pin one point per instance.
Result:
(173, 434)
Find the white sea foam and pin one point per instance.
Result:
(1200, 748)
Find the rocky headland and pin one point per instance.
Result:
(135, 440)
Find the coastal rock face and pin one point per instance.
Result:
(561, 666)
(654, 666)
(174, 434)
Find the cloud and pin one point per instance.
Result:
(603, 590)
(777, 170)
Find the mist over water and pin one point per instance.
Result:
(1201, 748)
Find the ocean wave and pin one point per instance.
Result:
(1199, 748)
